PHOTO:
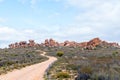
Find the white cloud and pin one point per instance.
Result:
(29, 31)
(2, 20)
(97, 9)
(12, 35)
(6, 30)
(93, 18)
(89, 3)
(77, 33)
(4, 45)
(101, 16)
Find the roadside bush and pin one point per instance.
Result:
(115, 53)
(17, 58)
(72, 66)
(62, 75)
(60, 53)
(86, 69)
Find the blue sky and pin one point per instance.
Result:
(77, 20)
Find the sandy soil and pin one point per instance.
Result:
(33, 72)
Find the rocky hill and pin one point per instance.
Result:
(92, 44)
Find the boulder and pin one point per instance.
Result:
(31, 43)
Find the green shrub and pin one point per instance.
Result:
(62, 75)
(86, 69)
(72, 66)
(60, 53)
(115, 53)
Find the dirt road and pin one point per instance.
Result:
(33, 72)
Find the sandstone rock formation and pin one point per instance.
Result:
(92, 44)
(70, 43)
(23, 44)
(50, 43)
(31, 43)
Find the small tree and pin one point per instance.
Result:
(60, 53)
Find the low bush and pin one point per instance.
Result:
(62, 75)
(86, 69)
(60, 53)
(17, 58)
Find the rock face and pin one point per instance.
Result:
(83, 44)
(11, 46)
(31, 43)
(23, 44)
(46, 42)
(114, 44)
(70, 43)
(50, 43)
(53, 43)
(92, 44)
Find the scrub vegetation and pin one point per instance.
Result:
(17, 58)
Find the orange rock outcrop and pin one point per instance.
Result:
(52, 43)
